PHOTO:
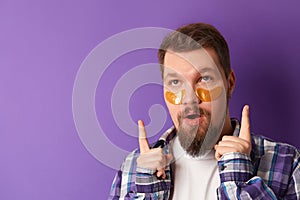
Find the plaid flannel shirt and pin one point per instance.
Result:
(272, 171)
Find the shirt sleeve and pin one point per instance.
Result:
(123, 186)
(116, 186)
(152, 187)
(294, 186)
(131, 182)
(239, 182)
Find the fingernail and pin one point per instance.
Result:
(140, 123)
(247, 107)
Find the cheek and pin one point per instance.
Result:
(174, 110)
(219, 109)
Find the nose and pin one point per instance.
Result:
(190, 96)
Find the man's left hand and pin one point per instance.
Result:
(241, 144)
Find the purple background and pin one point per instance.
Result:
(43, 43)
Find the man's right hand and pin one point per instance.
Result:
(153, 159)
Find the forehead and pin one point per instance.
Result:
(191, 62)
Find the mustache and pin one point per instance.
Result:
(192, 109)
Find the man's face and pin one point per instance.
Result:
(195, 92)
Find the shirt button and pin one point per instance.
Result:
(222, 167)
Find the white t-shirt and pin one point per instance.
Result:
(195, 178)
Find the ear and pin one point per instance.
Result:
(231, 82)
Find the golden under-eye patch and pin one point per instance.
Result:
(175, 98)
(203, 94)
(208, 95)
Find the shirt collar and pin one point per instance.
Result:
(236, 125)
(171, 133)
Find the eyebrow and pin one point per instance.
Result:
(171, 75)
(205, 69)
(174, 74)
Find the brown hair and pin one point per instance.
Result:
(195, 36)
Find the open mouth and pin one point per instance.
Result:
(192, 116)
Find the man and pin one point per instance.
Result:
(206, 155)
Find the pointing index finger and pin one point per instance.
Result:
(143, 141)
(245, 124)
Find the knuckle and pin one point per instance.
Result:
(160, 150)
(240, 148)
(160, 161)
(224, 137)
(247, 145)
(157, 151)
(141, 161)
(138, 160)
(157, 164)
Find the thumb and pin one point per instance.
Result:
(143, 141)
(245, 125)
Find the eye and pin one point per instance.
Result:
(206, 78)
(174, 82)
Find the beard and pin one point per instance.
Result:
(192, 137)
(198, 139)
